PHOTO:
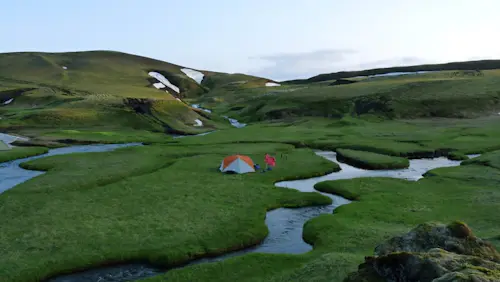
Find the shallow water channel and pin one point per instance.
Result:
(11, 174)
(285, 224)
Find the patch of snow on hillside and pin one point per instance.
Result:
(195, 75)
(65, 68)
(197, 106)
(8, 101)
(178, 99)
(198, 122)
(159, 85)
(272, 84)
(165, 81)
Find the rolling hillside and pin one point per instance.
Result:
(445, 94)
(105, 89)
(115, 91)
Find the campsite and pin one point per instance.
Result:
(249, 141)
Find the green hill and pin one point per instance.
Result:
(113, 91)
(446, 94)
(82, 90)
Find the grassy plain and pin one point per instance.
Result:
(163, 204)
(21, 152)
(368, 160)
(382, 208)
(140, 201)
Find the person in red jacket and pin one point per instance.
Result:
(270, 162)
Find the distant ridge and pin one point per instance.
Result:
(465, 65)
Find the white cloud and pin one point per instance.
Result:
(292, 65)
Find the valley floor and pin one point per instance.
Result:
(167, 203)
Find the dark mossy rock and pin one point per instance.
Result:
(437, 265)
(341, 82)
(455, 237)
(432, 252)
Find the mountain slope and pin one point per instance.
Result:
(447, 94)
(104, 88)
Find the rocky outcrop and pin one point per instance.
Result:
(432, 252)
(144, 107)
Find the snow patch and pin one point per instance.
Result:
(159, 85)
(193, 74)
(198, 122)
(197, 106)
(65, 68)
(163, 80)
(272, 84)
(8, 101)
(178, 99)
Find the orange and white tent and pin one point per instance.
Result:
(237, 164)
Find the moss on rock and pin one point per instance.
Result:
(432, 252)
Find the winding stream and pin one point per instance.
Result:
(11, 174)
(285, 225)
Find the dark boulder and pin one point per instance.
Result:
(432, 252)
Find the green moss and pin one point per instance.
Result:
(491, 159)
(369, 160)
(457, 156)
(21, 152)
(336, 188)
(488, 273)
(460, 229)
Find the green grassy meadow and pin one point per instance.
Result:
(140, 201)
(367, 160)
(342, 240)
(166, 203)
(139, 204)
(21, 152)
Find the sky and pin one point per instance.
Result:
(276, 39)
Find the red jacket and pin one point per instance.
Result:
(270, 160)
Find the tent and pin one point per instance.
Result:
(237, 164)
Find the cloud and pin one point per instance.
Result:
(300, 65)
(305, 65)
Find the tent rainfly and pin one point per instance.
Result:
(237, 164)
